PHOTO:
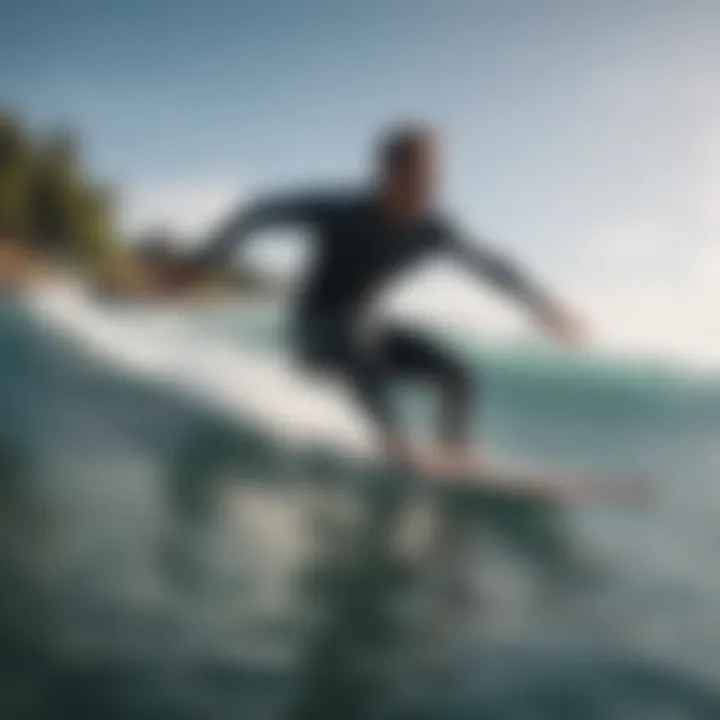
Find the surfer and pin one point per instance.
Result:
(364, 238)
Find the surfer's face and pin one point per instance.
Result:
(413, 183)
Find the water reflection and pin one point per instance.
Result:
(396, 605)
(389, 584)
(294, 589)
(355, 588)
(26, 621)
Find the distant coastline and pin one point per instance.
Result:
(134, 276)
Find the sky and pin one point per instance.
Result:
(581, 137)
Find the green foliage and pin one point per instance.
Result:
(47, 197)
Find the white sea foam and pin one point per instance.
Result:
(238, 378)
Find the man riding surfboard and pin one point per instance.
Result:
(364, 239)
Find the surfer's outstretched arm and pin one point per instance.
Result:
(257, 215)
(512, 279)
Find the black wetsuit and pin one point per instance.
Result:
(358, 251)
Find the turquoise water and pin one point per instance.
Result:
(162, 558)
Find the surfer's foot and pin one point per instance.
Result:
(451, 460)
(439, 460)
(399, 452)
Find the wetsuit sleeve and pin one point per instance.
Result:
(505, 274)
(258, 215)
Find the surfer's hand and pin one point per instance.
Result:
(563, 325)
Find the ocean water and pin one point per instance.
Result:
(164, 556)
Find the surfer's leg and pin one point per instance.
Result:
(411, 354)
(331, 343)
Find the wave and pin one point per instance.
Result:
(232, 358)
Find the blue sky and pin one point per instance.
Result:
(585, 136)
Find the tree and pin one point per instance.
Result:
(15, 177)
(48, 199)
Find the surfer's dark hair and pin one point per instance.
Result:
(399, 144)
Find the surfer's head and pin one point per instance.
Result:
(408, 167)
